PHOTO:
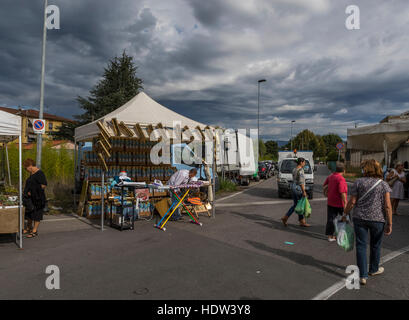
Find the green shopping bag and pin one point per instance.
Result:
(300, 208)
(307, 210)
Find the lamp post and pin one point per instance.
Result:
(258, 115)
(292, 135)
(40, 116)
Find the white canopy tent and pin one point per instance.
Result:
(10, 129)
(141, 109)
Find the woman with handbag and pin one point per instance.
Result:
(396, 180)
(34, 199)
(370, 198)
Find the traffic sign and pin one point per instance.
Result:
(39, 126)
(340, 146)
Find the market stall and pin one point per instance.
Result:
(11, 217)
(121, 144)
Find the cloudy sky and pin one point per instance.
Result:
(202, 58)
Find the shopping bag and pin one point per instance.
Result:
(345, 233)
(300, 208)
(307, 210)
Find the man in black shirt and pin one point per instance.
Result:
(34, 197)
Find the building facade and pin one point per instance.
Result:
(53, 122)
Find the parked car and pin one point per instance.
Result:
(263, 170)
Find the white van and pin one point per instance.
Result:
(287, 163)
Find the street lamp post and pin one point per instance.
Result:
(292, 134)
(40, 116)
(258, 115)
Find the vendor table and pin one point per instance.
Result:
(135, 201)
(179, 202)
(9, 220)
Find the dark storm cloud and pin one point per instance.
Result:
(203, 58)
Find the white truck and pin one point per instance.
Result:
(236, 158)
(286, 164)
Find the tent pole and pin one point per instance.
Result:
(75, 174)
(214, 178)
(102, 200)
(20, 178)
(8, 163)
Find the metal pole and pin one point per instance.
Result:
(291, 138)
(40, 136)
(20, 183)
(258, 120)
(8, 163)
(103, 201)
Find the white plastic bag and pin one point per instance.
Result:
(344, 233)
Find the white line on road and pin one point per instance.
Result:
(260, 203)
(328, 293)
(231, 196)
(62, 219)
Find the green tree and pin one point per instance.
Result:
(331, 140)
(261, 148)
(307, 140)
(272, 148)
(118, 85)
(65, 131)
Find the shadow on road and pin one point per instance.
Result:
(302, 259)
(272, 224)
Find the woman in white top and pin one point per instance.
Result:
(397, 188)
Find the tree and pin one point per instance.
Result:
(118, 85)
(307, 140)
(331, 140)
(65, 131)
(261, 149)
(272, 148)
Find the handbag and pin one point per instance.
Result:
(392, 181)
(28, 204)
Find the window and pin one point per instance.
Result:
(50, 126)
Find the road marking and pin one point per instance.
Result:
(62, 219)
(328, 293)
(260, 203)
(231, 196)
(236, 194)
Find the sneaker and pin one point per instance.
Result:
(332, 239)
(380, 271)
(362, 281)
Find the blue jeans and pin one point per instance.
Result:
(296, 193)
(375, 229)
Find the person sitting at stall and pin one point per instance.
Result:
(178, 178)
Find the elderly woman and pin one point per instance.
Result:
(34, 198)
(370, 198)
(398, 176)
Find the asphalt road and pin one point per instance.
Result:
(241, 254)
